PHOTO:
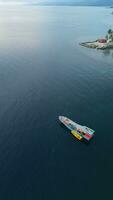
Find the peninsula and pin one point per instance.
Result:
(103, 43)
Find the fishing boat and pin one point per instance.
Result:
(77, 130)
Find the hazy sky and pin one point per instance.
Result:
(96, 2)
(39, 1)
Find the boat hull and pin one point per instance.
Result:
(77, 130)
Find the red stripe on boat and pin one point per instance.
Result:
(88, 135)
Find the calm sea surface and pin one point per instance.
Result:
(44, 73)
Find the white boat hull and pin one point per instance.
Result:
(83, 131)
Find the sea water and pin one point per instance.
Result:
(44, 73)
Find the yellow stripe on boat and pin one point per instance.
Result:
(75, 134)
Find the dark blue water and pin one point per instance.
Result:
(44, 73)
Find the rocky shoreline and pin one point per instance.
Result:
(104, 43)
(97, 45)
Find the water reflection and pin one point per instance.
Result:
(108, 52)
(19, 27)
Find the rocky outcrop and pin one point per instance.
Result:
(97, 45)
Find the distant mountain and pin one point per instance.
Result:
(77, 2)
(63, 2)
